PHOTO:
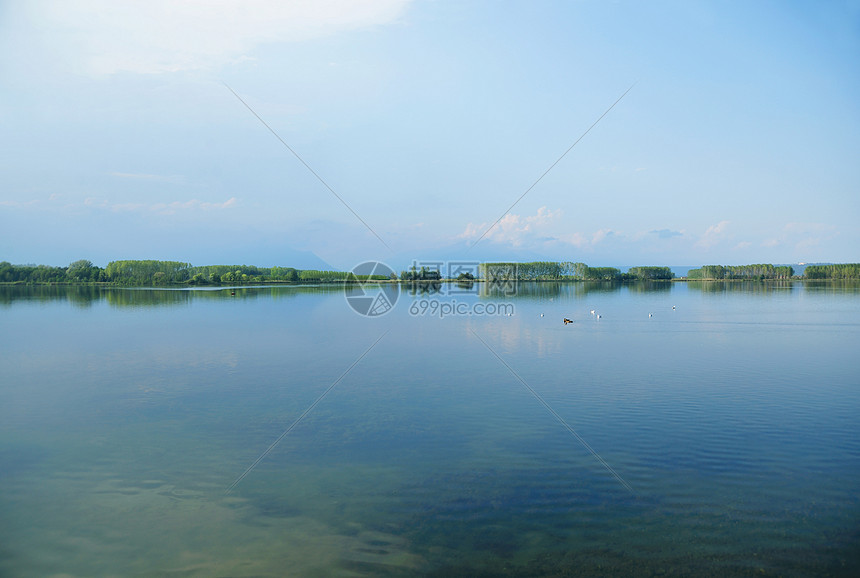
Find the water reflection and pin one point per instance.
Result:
(574, 290)
(148, 298)
(423, 288)
(734, 419)
(121, 297)
(650, 286)
(86, 295)
(79, 295)
(762, 288)
(831, 286)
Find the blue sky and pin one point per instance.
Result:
(739, 142)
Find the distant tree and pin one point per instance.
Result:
(603, 274)
(580, 270)
(760, 271)
(651, 273)
(839, 271)
(144, 272)
(7, 272)
(82, 270)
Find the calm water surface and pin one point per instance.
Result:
(731, 413)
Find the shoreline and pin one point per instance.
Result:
(274, 283)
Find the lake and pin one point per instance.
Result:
(706, 429)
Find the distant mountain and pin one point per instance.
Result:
(303, 260)
(263, 257)
(297, 259)
(487, 251)
(484, 252)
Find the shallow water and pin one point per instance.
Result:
(125, 415)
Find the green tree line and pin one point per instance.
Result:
(81, 271)
(651, 273)
(843, 271)
(759, 271)
(148, 272)
(424, 274)
(533, 271)
(156, 273)
(568, 270)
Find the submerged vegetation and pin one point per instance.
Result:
(166, 273)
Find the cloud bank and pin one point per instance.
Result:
(101, 37)
(513, 229)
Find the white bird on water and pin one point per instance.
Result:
(592, 311)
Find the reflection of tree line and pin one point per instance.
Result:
(522, 289)
(552, 289)
(81, 295)
(766, 288)
(755, 287)
(528, 289)
(133, 298)
(832, 286)
(86, 295)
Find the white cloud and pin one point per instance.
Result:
(578, 240)
(713, 235)
(148, 177)
(18, 204)
(807, 237)
(472, 231)
(514, 229)
(717, 229)
(664, 233)
(54, 203)
(808, 228)
(159, 208)
(601, 235)
(155, 36)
